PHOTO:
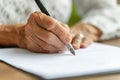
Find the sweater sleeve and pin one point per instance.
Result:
(104, 14)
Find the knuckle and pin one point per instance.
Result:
(32, 17)
(34, 14)
(50, 22)
(49, 37)
(57, 30)
(37, 15)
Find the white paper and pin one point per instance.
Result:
(95, 59)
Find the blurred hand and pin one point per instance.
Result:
(42, 33)
(84, 34)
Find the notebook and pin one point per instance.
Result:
(96, 59)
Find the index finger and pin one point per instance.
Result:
(54, 26)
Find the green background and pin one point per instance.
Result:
(74, 16)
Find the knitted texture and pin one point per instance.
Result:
(18, 11)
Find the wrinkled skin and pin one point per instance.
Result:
(43, 33)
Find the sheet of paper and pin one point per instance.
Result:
(95, 59)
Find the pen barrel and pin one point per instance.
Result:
(42, 7)
(70, 48)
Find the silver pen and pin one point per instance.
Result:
(44, 10)
(70, 48)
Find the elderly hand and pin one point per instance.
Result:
(42, 33)
(84, 34)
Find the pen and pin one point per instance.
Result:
(45, 11)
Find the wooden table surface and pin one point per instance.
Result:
(8, 72)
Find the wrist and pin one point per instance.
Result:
(10, 34)
(19, 41)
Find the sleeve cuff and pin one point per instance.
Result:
(108, 27)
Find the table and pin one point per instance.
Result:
(8, 72)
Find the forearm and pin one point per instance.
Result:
(10, 34)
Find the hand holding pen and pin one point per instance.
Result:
(44, 10)
(43, 33)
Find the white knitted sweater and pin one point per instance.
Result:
(104, 14)
(12, 11)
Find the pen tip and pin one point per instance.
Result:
(69, 46)
(73, 52)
